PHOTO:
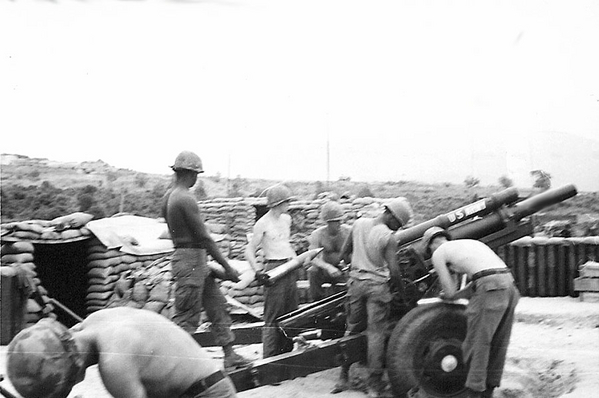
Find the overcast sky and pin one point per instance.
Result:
(257, 88)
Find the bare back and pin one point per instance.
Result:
(145, 351)
(467, 256)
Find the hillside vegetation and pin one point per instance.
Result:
(39, 189)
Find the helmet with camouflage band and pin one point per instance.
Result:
(43, 361)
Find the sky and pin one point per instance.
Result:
(297, 90)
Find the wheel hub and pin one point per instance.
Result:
(443, 368)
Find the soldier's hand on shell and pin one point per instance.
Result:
(262, 277)
(232, 274)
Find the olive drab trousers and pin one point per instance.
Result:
(368, 307)
(195, 290)
(279, 299)
(490, 315)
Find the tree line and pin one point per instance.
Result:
(46, 202)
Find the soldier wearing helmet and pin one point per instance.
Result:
(196, 288)
(330, 237)
(492, 301)
(139, 353)
(272, 233)
(373, 249)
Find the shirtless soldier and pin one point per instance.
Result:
(195, 287)
(492, 300)
(139, 353)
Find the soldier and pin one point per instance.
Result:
(331, 238)
(373, 249)
(492, 301)
(196, 288)
(272, 232)
(139, 353)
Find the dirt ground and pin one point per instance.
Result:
(554, 352)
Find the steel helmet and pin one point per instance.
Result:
(43, 360)
(277, 194)
(400, 209)
(331, 211)
(431, 234)
(188, 160)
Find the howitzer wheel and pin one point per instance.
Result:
(424, 351)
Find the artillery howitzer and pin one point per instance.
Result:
(424, 332)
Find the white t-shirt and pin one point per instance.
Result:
(273, 235)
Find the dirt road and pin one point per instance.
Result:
(554, 352)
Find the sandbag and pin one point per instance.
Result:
(17, 258)
(51, 235)
(105, 263)
(98, 296)
(155, 306)
(100, 272)
(101, 280)
(16, 248)
(140, 292)
(160, 292)
(104, 254)
(75, 220)
(70, 234)
(100, 288)
(134, 304)
(25, 226)
(96, 303)
(28, 235)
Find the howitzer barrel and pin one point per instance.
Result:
(542, 200)
(497, 221)
(478, 208)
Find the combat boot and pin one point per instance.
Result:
(343, 382)
(235, 361)
(376, 385)
(474, 394)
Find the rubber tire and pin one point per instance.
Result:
(441, 323)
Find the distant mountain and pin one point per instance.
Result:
(41, 188)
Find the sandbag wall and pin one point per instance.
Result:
(147, 286)
(19, 283)
(236, 215)
(547, 267)
(105, 267)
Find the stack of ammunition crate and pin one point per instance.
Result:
(587, 284)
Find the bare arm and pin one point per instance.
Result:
(319, 262)
(393, 264)
(391, 258)
(202, 236)
(252, 247)
(447, 281)
(347, 249)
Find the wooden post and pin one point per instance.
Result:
(572, 269)
(521, 247)
(552, 245)
(533, 290)
(561, 265)
(539, 245)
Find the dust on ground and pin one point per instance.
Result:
(554, 352)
